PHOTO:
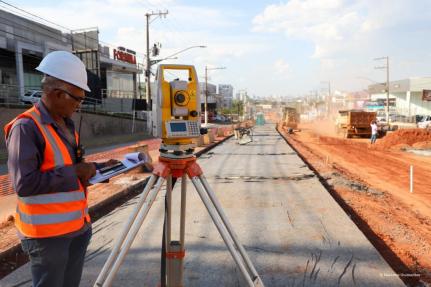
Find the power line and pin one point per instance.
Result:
(34, 15)
(58, 25)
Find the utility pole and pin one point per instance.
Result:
(206, 90)
(387, 83)
(328, 99)
(148, 68)
(387, 89)
(206, 96)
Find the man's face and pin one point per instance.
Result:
(69, 99)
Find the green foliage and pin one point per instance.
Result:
(237, 107)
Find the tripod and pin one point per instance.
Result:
(170, 166)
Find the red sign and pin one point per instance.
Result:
(426, 95)
(124, 56)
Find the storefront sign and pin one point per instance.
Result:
(124, 56)
(426, 95)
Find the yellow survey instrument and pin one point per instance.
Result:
(178, 100)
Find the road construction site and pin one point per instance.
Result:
(291, 226)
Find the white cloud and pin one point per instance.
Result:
(326, 23)
(331, 25)
(282, 68)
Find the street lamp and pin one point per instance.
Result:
(153, 62)
(188, 48)
(368, 79)
(206, 90)
(170, 57)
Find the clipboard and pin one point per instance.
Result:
(130, 161)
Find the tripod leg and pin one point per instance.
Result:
(183, 209)
(222, 230)
(169, 213)
(175, 254)
(229, 227)
(134, 230)
(126, 229)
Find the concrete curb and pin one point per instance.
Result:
(115, 197)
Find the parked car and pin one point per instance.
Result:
(425, 122)
(220, 118)
(31, 97)
(419, 118)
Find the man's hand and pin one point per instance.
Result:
(148, 165)
(85, 171)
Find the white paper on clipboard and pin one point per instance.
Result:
(130, 161)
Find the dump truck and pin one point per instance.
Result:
(354, 123)
(290, 118)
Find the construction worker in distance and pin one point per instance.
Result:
(51, 184)
(374, 131)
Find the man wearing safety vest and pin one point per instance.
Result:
(51, 184)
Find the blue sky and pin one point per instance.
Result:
(279, 48)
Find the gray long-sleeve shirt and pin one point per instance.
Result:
(26, 146)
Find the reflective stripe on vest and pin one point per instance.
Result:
(47, 134)
(49, 218)
(59, 197)
(57, 213)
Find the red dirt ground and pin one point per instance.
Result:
(397, 221)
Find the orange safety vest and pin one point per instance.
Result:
(52, 214)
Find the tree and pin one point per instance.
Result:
(237, 108)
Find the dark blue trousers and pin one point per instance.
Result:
(57, 261)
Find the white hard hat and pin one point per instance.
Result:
(65, 66)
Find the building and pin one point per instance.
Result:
(407, 97)
(112, 73)
(211, 97)
(23, 43)
(226, 93)
(241, 95)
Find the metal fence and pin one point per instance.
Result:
(112, 101)
(9, 94)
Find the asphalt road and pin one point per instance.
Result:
(292, 229)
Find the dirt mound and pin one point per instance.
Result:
(405, 137)
(422, 145)
(399, 147)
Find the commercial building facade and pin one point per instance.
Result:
(211, 97)
(226, 93)
(407, 97)
(112, 73)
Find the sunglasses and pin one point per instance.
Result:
(76, 98)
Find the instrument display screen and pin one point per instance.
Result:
(178, 127)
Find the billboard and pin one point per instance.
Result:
(426, 95)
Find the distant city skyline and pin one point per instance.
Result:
(269, 48)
